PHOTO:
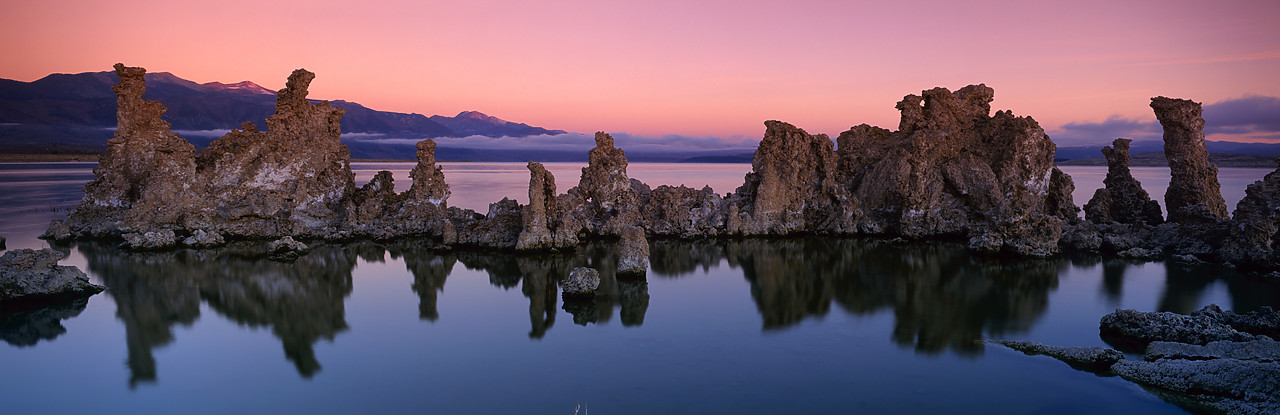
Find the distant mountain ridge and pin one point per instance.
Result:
(78, 110)
(470, 123)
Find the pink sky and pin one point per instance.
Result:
(717, 68)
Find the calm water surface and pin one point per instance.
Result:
(754, 326)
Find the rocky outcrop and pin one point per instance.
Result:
(544, 224)
(33, 277)
(154, 240)
(286, 249)
(1194, 194)
(1256, 225)
(1122, 200)
(953, 169)
(791, 188)
(147, 174)
(294, 179)
(582, 283)
(1134, 330)
(603, 201)
(500, 229)
(634, 255)
(1199, 362)
(684, 212)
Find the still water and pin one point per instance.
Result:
(751, 326)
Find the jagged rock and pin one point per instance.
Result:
(286, 249)
(1194, 194)
(1262, 350)
(1140, 253)
(293, 179)
(1186, 259)
(952, 169)
(684, 212)
(28, 275)
(58, 230)
(1093, 359)
(1123, 199)
(1134, 330)
(603, 200)
(1227, 385)
(792, 187)
(150, 240)
(582, 283)
(1059, 201)
(146, 176)
(542, 217)
(1255, 224)
(1265, 321)
(1196, 362)
(1081, 237)
(428, 178)
(499, 229)
(634, 256)
(201, 239)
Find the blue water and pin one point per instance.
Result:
(754, 326)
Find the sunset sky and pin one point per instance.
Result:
(1083, 69)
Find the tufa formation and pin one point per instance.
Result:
(951, 170)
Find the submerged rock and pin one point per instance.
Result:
(1194, 194)
(201, 239)
(582, 283)
(1093, 359)
(1123, 200)
(34, 276)
(155, 240)
(286, 249)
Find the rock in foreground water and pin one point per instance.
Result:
(1093, 359)
(582, 283)
(30, 275)
(634, 258)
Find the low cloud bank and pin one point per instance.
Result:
(671, 143)
(1251, 118)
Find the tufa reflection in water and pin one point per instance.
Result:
(941, 297)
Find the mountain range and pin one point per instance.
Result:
(79, 111)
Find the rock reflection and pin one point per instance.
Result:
(941, 296)
(429, 269)
(301, 302)
(26, 327)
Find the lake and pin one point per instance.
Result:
(736, 326)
